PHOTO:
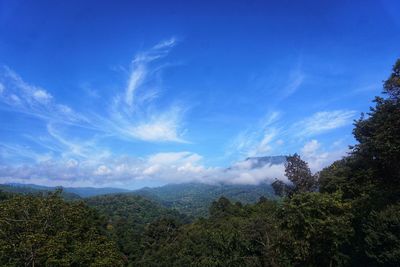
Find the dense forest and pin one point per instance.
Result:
(348, 214)
(194, 199)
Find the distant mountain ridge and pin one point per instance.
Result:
(35, 190)
(258, 162)
(193, 199)
(80, 191)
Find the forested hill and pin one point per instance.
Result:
(36, 190)
(194, 199)
(127, 216)
(77, 191)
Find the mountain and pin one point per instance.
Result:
(95, 191)
(194, 199)
(258, 162)
(35, 190)
(80, 191)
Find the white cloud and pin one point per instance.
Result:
(167, 158)
(258, 140)
(266, 173)
(160, 129)
(166, 43)
(317, 157)
(310, 148)
(135, 79)
(133, 113)
(102, 170)
(42, 96)
(324, 121)
(72, 163)
(296, 79)
(19, 96)
(265, 144)
(112, 170)
(140, 70)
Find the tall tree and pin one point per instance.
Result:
(370, 178)
(298, 172)
(392, 84)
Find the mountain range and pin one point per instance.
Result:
(191, 199)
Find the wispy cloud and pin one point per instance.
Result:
(133, 113)
(256, 140)
(324, 121)
(18, 96)
(140, 68)
(269, 136)
(296, 79)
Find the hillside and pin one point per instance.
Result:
(80, 191)
(194, 199)
(127, 217)
(35, 190)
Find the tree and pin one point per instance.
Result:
(298, 172)
(159, 243)
(46, 231)
(378, 135)
(392, 84)
(334, 177)
(281, 189)
(382, 236)
(223, 207)
(370, 177)
(314, 229)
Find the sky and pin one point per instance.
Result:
(144, 93)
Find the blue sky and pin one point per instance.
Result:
(129, 93)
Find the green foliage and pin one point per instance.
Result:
(158, 243)
(369, 178)
(315, 227)
(127, 217)
(29, 190)
(234, 235)
(392, 85)
(281, 188)
(334, 177)
(223, 207)
(379, 140)
(194, 199)
(4, 195)
(298, 172)
(382, 236)
(46, 231)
